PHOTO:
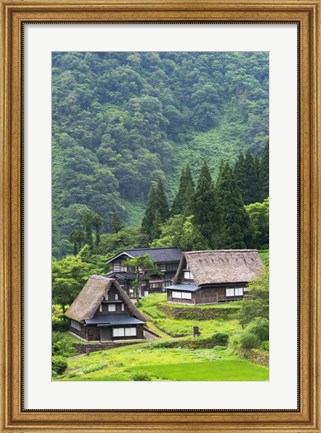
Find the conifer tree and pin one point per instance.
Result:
(239, 171)
(247, 177)
(189, 196)
(206, 208)
(156, 228)
(264, 173)
(157, 211)
(162, 202)
(237, 231)
(185, 191)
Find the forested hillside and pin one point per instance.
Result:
(123, 121)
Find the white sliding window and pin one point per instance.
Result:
(186, 295)
(130, 332)
(229, 292)
(118, 332)
(177, 295)
(239, 292)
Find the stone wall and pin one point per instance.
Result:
(258, 356)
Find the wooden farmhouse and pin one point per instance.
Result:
(209, 277)
(102, 312)
(166, 259)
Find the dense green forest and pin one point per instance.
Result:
(125, 124)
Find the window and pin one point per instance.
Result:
(157, 285)
(172, 267)
(162, 268)
(122, 307)
(100, 308)
(76, 325)
(131, 269)
(111, 307)
(130, 332)
(116, 296)
(177, 295)
(229, 292)
(119, 267)
(186, 295)
(188, 275)
(118, 332)
(106, 297)
(234, 292)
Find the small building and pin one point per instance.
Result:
(166, 258)
(102, 312)
(210, 277)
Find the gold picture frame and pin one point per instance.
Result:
(14, 13)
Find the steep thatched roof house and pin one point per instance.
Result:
(209, 277)
(166, 258)
(102, 311)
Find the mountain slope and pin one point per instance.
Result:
(124, 120)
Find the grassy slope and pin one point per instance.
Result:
(184, 327)
(162, 364)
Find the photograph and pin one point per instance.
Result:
(160, 216)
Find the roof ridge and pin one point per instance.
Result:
(156, 248)
(222, 251)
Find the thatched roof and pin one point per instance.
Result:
(220, 266)
(91, 296)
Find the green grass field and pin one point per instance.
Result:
(208, 371)
(162, 364)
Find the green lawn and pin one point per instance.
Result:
(208, 371)
(206, 327)
(162, 364)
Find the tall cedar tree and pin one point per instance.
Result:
(246, 173)
(157, 211)
(185, 191)
(162, 202)
(236, 231)
(264, 173)
(206, 208)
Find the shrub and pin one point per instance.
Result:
(60, 326)
(259, 327)
(265, 345)
(140, 376)
(219, 338)
(249, 340)
(61, 345)
(59, 364)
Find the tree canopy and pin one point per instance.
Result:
(123, 121)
